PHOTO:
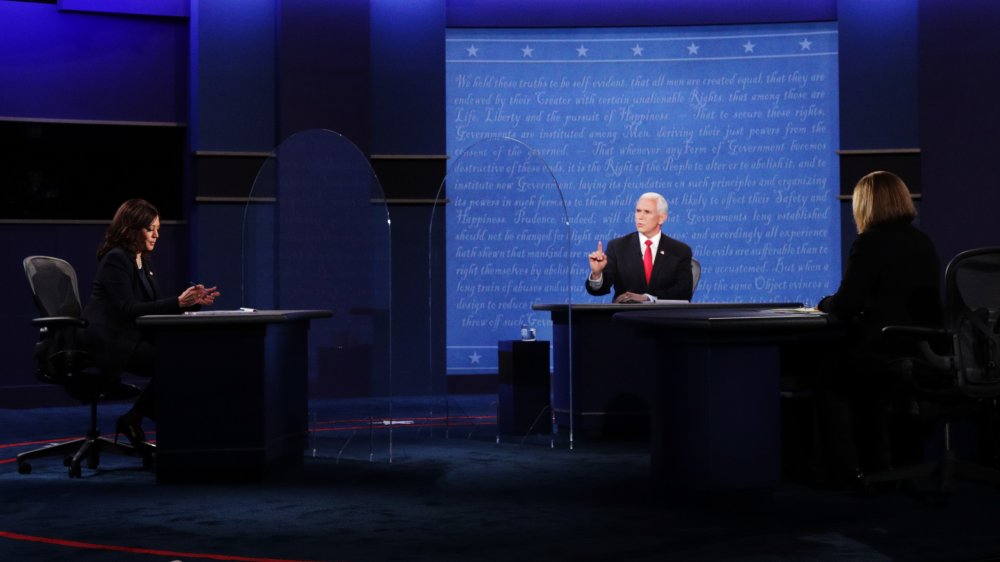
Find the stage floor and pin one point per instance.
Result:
(450, 491)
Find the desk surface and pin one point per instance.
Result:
(727, 319)
(667, 305)
(231, 317)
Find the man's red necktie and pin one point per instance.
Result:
(647, 260)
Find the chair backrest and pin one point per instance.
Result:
(59, 353)
(54, 286)
(695, 274)
(972, 306)
(972, 281)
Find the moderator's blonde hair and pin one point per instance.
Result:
(881, 197)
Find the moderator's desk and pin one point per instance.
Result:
(610, 396)
(715, 406)
(231, 390)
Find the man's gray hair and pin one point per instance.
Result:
(661, 202)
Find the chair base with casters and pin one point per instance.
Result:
(88, 449)
(945, 470)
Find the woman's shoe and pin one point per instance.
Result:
(132, 431)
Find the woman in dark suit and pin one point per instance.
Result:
(892, 278)
(125, 288)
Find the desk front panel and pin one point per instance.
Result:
(232, 397)
(609, 391)
(716, 411)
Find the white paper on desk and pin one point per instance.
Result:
(661, 301)
(219, 312)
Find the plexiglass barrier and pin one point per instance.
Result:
(316, 235)
(500, 244)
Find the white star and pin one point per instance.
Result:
(693, 49)
(526, 51)
(637, 51)
(748, 47)
(806, 44)
(475, 357)
(581, 51)
(473, 50)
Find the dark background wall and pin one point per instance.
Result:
(958, 118)
(239, 76)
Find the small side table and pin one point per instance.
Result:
(524, 404)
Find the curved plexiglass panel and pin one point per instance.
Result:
(316, 235)
(500, 247)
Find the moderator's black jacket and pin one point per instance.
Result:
(892, 278)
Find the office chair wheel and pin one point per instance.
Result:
(24, 468)
(75, 471)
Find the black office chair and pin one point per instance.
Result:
(62, 360)
(961, 378)
(695, 274)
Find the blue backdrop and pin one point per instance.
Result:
(736, 126)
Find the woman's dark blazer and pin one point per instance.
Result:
(119, 297)
(892, 278)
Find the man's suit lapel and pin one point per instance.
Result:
(632, 260)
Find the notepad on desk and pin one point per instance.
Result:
(220, 312)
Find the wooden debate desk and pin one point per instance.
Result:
(715, 398)
(606, 396)
(231, 390)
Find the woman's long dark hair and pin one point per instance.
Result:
(126, 227)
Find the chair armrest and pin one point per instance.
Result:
(59, 322)
(925, 338)
(913, 332)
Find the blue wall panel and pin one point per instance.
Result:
(324, 77)
(62, 65)
(602, 13)
(176, 8)
(408, 48)
(233, 69)
(878, 74)
(959, 119)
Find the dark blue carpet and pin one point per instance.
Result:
(453, 493)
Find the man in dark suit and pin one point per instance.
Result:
(645, 265)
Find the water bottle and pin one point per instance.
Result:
(527, 334)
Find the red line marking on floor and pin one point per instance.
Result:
(133, 550)
(42, 442)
